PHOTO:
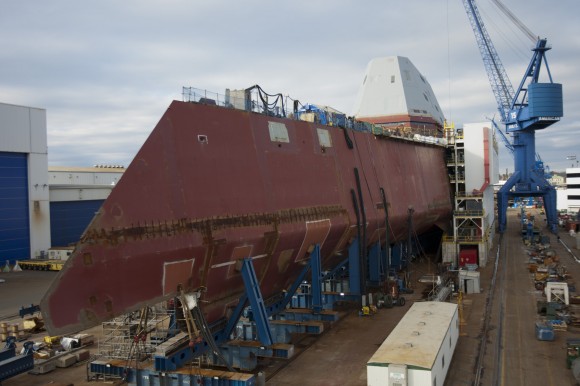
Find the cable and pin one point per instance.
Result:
(448, 62)
(207, 334)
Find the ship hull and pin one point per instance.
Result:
(213, 185)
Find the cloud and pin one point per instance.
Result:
(105, 71)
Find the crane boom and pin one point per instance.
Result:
(500, 83)
(516, 21)
(503, 137)
(532, 107)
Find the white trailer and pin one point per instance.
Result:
(419, 349)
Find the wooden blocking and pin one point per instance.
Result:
(66, 360)
(82, 355)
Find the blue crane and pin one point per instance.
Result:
(533, 106)
(504, 138)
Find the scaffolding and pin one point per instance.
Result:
(135, 336)
(470, 228)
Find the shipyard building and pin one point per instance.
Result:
(76, 194)
(24, 193)
(42, 207)
(473, 168)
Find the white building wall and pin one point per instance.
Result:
(79, 193)
(489, 208)
(39, 203)
(38, 133)
(23, 130)
(443, 361)
(474, 134)
(82, 183)
(494, 157)
(562, 199)
(475, 170)
(449, 252)
(15, 126)
(84, 176)
(377, 375)
(573, 192)
(419, 377)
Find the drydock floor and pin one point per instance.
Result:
(512, 355)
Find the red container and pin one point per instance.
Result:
(467, 255)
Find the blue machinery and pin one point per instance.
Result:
(264, 329)
(532, 107)
(12, 364)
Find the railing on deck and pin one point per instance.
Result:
(468, 213)
(464, 239)
(238, 99)
(471, 194)
(254, 99)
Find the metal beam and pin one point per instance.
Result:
(315, 267)
(354, 268)
(257, 302)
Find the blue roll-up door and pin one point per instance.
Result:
(14, 214)
(69, 219)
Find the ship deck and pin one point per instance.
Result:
(513, 355)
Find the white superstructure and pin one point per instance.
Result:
(394, 91)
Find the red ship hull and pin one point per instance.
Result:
(210, 187)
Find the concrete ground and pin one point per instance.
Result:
(23, 289)
(512, 355)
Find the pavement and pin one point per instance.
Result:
(18, 289)
(511, 354)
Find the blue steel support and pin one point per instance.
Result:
(261, 312)
(354, 267)
(279, 307)
(235, 316)
(257, 302)
(28, 310)
(17, 364)
(335, 270)
(375, 264)
(315, 267)
(398, 260)
(386, 261)
(9, 349)
(541, 188)
(271, 309)
(205, 377)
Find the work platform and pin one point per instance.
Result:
(145, 374)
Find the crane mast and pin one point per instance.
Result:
(533, 106)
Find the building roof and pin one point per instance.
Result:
(88, 169)
(416, 340)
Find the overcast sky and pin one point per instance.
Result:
(105, 71)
